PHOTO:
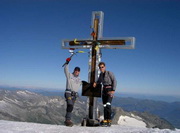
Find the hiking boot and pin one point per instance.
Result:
(68, 123)
(109, 123)
(104, 123)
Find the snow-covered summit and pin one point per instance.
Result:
(24, 127)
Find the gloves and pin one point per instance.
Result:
(68, 59)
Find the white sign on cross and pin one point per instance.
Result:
(95, 44)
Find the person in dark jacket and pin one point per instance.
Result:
(73, 83)
(108, 80)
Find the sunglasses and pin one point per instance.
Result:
(101, 67)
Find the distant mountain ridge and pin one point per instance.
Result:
(155, 97)
(58, 92)
(28, 106)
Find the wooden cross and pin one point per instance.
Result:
(95, 44)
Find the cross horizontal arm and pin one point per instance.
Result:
(98, 42)
(103, 43)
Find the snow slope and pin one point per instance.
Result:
(129, 121)
(24, 127)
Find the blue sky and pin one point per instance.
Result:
(31, 32)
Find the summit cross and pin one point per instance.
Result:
(95, 44)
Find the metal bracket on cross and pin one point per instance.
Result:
(95, 44)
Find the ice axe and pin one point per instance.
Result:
(72, 54)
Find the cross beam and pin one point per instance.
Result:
(99, 42)
(95, 44)
(104, 43)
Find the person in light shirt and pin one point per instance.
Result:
(73, 83)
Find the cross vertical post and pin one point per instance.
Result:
(93, 67)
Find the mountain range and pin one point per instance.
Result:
(26, 106)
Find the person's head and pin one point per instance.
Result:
(102, 66)
(76, 71)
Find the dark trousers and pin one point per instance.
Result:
(70, 100)
(107, 99)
